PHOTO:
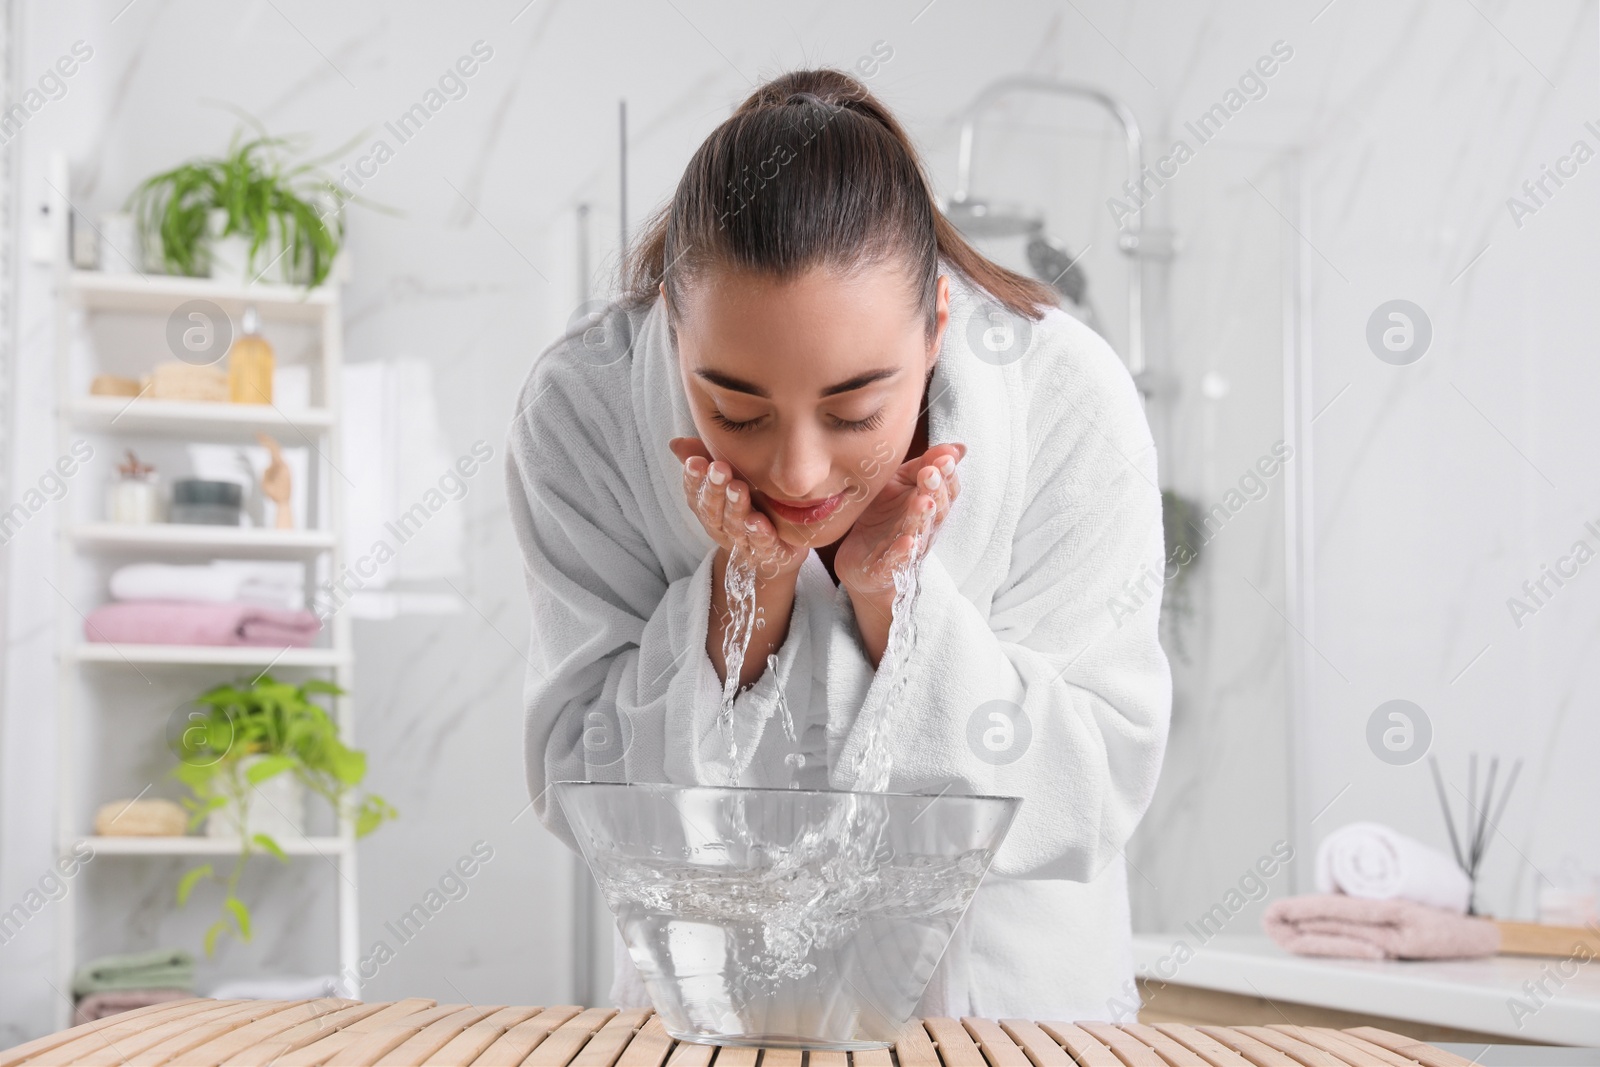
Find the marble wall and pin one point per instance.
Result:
(1373, 164)
(1444, 484)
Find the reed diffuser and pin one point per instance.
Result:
(1473, 841)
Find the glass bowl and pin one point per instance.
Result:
(789, 918)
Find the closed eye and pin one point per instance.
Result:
(737, 427)
(871, 422)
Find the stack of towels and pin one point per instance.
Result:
(114, 984)
(225, 602)
(1382, 895)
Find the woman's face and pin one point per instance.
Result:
(809, 388)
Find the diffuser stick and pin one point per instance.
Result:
(1444, 805)
(1469, 822)
(1481, 839)
(1505, 797)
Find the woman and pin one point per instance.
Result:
(815, 372)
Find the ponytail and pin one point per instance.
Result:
(811, 170)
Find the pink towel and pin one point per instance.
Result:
(1337, 925)
(192, 622)
(99, 1005)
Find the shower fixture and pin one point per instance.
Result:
(1052, 263)
(1048, 258)
(979, 218)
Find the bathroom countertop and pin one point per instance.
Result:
(1469, 994)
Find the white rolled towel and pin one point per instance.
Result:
(1371, 860)
(284, 987)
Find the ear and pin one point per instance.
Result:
(941, 319)
(668, 310)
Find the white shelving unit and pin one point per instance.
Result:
(223, 422)
(208, 655)
(85, 542)
(206, 846)
(172, 539)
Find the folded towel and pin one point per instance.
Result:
(161, 622)
(162, 968)
(282, 987)
(1339, 925)
(99, 1005)
(1368, 859)
(141, 818)
(273, 584)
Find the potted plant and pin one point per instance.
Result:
(242, 215)
(242, 740)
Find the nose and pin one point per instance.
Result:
(800, 466)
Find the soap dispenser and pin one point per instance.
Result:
(250, 364)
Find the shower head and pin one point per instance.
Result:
(1048, 259)
(1054, 265)
(980, 218)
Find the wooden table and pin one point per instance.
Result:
(347, 1033)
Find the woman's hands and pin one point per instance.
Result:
(722, 503)
(901, 520)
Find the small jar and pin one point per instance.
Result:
(135, 497)
(1568, 905)
(207, 503)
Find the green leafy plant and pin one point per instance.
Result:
(260, 192)
(1184, 542)
(286, 732)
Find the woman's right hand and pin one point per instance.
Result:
(722, 504)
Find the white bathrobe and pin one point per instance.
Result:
(1042, 589)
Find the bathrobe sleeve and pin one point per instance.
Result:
(1060, 693)
(616, 648)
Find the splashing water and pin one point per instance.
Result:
(739, 585)
(783, 705)
(794, 906)
(794, 761)
(744, 618)
(874, 765)
(810, 898)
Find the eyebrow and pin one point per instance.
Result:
(739, 385)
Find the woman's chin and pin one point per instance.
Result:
(814, 535)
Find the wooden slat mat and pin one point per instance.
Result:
(347, 1033)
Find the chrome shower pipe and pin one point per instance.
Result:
(1133, 227)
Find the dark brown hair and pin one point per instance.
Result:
(811, 171)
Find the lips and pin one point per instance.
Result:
(805, 512)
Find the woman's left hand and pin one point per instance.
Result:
(903, 518)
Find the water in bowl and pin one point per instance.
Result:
(797, 934)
